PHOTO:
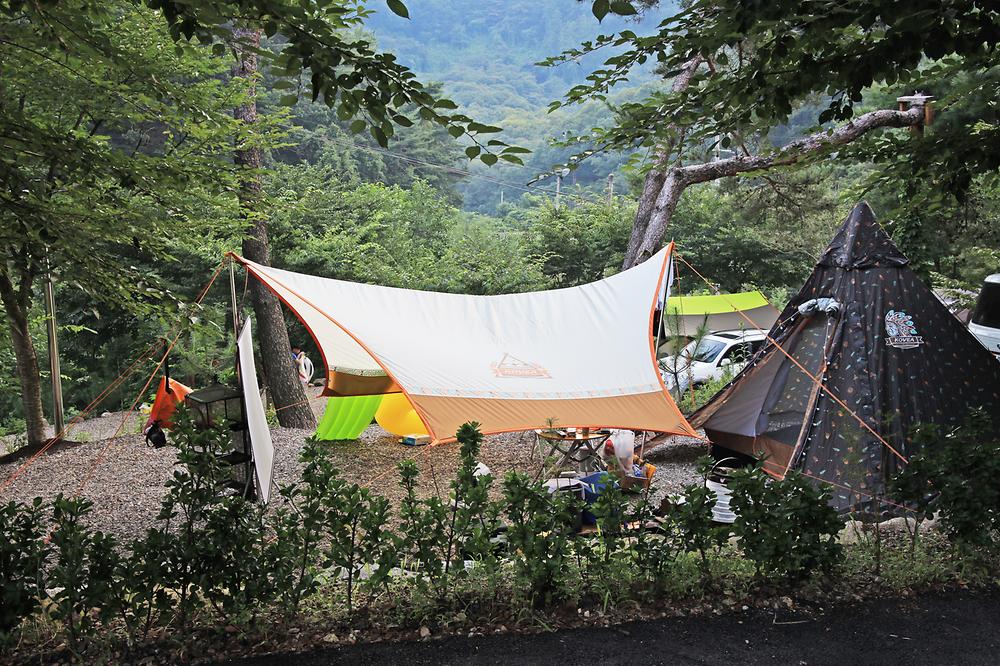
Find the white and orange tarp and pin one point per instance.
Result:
(576, 357)
(260, 434)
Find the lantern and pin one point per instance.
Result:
(216, 405)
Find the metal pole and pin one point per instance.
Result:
(558, 188)
(232, 297)
(611, 188)
(236, 321)
(54, 369)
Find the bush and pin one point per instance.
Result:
(423, 532)
(23, 554)
(786, 527)
(299, 528)
(540, 527)
(216, 556)
(957, 475)
(696, 533)
(82, 584)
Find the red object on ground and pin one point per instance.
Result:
(166, 402)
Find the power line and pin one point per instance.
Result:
(461, 172)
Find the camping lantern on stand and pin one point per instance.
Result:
(220, 405)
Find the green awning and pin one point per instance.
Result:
(715, 304)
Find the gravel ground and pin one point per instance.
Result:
(124, 478)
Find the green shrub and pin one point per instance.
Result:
(23, 554)
(210, 542)
(785, 527)
(539, 533)
(422, 537)
(957, 475)
(354, 529)
(474, 519)
(298, 530)
(82, 580)
(654, 548)
(695, 531)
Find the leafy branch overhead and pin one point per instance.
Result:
(766, 59)
(320, 41)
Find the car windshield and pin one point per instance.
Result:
(707, 350)
(987, 311)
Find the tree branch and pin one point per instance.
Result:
(678, 178)
(656, 175)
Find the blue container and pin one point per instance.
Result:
(593, 485)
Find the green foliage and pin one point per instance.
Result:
(474, 518)
(214, 552)
(786, 527)
(217, 557)
(957, 475)
(422, 533)
(23, 556)
(485, 55)
(742, 234)
(319, 40)
(387, 235)
(82, 578)
(653, 550)
(111, 145)
(298, 528)
(578, 244)
(695, 530)
(805, 47)
(539, 532)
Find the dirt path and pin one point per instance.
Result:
(952, 628)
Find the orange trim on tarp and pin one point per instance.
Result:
(618, 411)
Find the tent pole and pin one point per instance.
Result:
(54, 365)
(663, 312)
(236, 321)
(232, 298)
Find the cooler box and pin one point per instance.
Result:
(593, 485)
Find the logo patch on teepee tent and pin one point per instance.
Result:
(900, 331)
(510, 366)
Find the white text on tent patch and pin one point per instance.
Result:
(902, 334)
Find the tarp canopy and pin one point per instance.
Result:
(862, 354)
(718, 312)
(260, 434)
(575, 357)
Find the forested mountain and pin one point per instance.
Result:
(485, 55)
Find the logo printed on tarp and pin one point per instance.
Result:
(901, 333)
(510, 366)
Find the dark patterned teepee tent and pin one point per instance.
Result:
(860, 355)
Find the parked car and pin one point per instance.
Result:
(985, 322)
(712, 357)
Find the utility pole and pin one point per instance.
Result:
(611, 188)
(56, 374)
(559, 176)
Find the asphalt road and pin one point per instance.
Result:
(952, 628)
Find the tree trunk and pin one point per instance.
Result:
(16, 308)
(281, 374)
(658, 173)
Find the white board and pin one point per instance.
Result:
(260, 434)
